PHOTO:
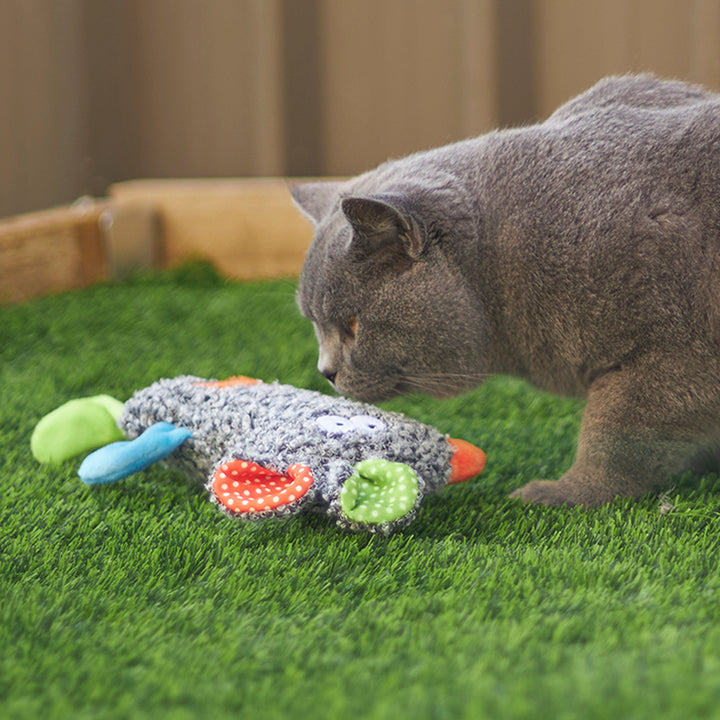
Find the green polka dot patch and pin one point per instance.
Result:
(379, 491)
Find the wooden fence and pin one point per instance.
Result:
(95, 92)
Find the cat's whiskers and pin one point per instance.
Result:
(443, 382)
(442, 376)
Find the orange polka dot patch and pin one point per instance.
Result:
(245, 487)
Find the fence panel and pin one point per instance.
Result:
(96, 92)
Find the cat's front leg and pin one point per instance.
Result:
(639, 427)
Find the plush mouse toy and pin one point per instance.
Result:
(265, 450)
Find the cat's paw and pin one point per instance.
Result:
(544, 492)
(562, 492)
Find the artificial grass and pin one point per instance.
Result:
(142, 600)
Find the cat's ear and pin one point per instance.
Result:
(315, 199)
(379, 221)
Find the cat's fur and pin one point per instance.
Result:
(581, 253)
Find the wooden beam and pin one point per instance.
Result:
(249, 229)
(51, 250)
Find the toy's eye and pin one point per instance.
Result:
(338, 425)
(334, 424)
(367, 423)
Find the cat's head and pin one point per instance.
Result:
(383, 286)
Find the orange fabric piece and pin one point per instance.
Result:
(230, 382)
(467, 460)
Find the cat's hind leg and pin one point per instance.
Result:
(640, 426)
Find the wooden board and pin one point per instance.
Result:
(52, 250)
(250, 229)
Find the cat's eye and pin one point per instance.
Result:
(351, 327)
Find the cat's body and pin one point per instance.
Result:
(582, 254)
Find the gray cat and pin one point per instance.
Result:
(581, 253)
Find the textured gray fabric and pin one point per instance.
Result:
(277, 426)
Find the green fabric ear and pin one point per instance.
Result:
(77, 427)
(379, 491)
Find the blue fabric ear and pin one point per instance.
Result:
(120, 459)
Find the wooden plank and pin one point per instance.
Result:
(577, 44)
(112, 71)
(209, 90)
(580, 42)
(132, 237)
(705, 49)
(41, 123)
(250, 229)
(50, 251)
(478, 66)
(267, 88)
(302, 87)
(396, 77)
(515, 59)
(661, 38)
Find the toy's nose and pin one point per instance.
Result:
(467, 461)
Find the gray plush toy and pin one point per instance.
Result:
(265, 450)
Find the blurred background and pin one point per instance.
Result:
(97, 91)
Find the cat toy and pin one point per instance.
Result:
(264, 449)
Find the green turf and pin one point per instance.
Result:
(142, 600)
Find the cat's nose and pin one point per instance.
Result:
(329, 374)
(327, 364)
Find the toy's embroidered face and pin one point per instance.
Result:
(336, 425)
(275, 449)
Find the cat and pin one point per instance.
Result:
(581, 253)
